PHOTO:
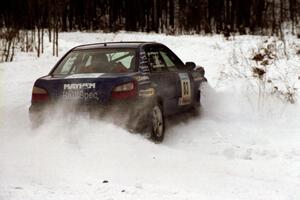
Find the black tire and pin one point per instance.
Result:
(195, 111)
(157, 123)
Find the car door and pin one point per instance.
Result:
(165, 81)
(185, 86)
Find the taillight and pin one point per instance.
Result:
(39, 95)
(124, 91)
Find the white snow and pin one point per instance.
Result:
(239, 148)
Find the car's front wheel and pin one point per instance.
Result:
(157, 123)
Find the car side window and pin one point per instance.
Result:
(171, 60)
(156, 61)
(168, 60)
(127, 59)
(69, 63)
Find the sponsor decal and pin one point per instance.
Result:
(78, 86)
(186, 95)
(147, 92)
(80, 94)
(143, 63)
(142, 78)
(144, 68)
(86, 75)
(155, 60)
(80, 91)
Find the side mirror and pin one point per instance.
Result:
(190, 65)
(200, 70)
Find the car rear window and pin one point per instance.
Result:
(97, 61)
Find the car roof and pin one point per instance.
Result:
(127, 44)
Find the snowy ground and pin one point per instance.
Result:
(241, 147)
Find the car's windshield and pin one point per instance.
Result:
(97, 61)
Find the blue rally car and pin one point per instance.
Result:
(143, 82)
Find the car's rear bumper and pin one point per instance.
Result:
(129, 112)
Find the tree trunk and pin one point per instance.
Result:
(27, 41)
(8, 50)
(53, 43)
(13, 51)
(42, 40)
(56, 37)
(39, 42)
(49, 32)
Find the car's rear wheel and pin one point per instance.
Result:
(157, 123)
